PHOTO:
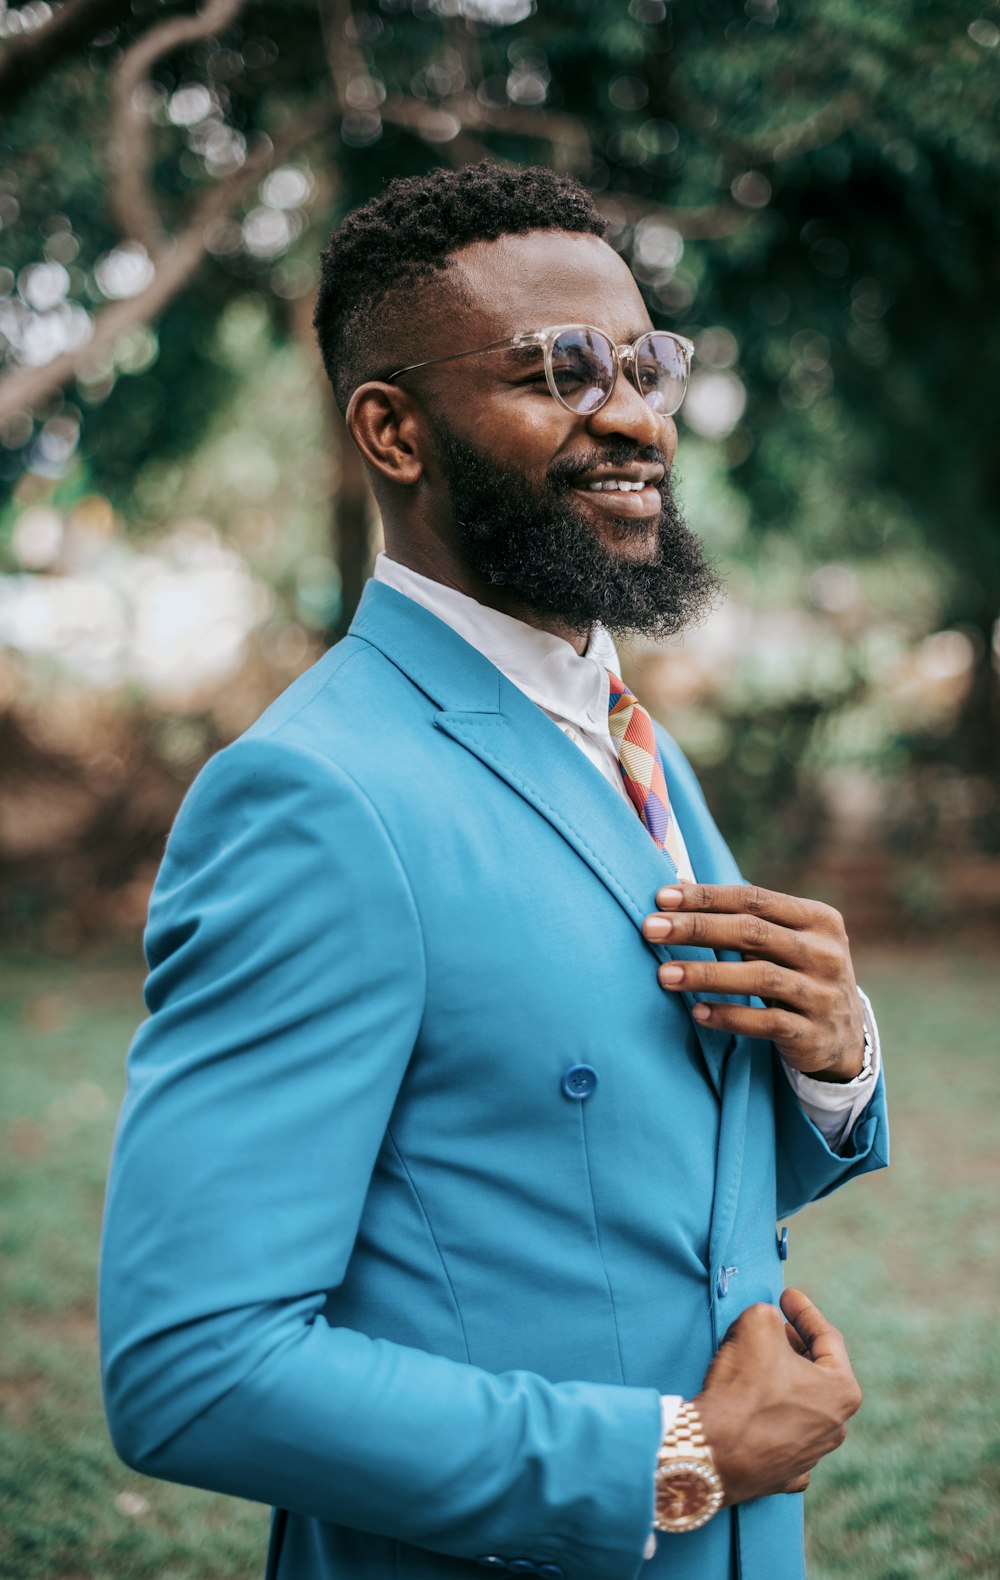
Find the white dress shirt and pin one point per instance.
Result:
(572, 689)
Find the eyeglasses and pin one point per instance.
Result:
(582, 363)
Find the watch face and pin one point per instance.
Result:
(685, 1496)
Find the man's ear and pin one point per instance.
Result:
(384, 425)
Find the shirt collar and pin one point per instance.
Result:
(571, 686)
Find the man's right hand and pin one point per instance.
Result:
(776, 1398)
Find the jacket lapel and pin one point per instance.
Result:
(713, 863)
(493, 719)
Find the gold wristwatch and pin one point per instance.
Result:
(688, 1489)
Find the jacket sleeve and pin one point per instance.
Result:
(808, 1168)
(285, 996)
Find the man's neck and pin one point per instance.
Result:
(444, 568)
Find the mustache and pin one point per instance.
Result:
(562, 475)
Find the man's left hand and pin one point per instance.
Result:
(795, 956)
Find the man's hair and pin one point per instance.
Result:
(385, 252)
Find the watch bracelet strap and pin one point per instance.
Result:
(685, 1436)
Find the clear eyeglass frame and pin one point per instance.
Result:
(626, 356)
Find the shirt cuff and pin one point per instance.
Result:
(670, 1403)
(835, 1107)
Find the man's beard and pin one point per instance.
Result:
(542, 549)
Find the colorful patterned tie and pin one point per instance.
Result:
(639, 759)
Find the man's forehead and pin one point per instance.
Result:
(545, 277)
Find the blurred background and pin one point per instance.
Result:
(808, 191)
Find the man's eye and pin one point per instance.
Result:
(569, 378)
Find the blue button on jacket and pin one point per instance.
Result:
(580, 1082)
(363, 1260)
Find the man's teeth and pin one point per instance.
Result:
(609, 485)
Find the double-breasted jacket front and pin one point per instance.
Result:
(423, 1189)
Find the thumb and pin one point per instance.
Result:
(823, 1342)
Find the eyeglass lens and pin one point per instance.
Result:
(583, 370)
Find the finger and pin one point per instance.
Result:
(757, 977)
(742, 933)
(793, 1338)
(823, 1341)
(791, 1033)
(798, 1485)
(786, 909)
(749, 1318)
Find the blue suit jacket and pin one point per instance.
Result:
(373, 1253)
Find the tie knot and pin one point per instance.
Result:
(618, 691)
(625, 714)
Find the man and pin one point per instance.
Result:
(455, 1141)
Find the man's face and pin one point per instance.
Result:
(517, 468)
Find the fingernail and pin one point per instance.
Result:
(657, 928)
(701, 1012)
(671, 973)
(669, 897)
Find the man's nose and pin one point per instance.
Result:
(626, 413)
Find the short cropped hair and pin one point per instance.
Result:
(391, 247)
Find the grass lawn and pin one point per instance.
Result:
(904, 1262)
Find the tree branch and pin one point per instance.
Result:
(28, 58)
(343, 57)
(817, 130)
(781, 142)
(462, 148)
(25, 388)
(568, 136)
(707, 223)
(569, 140)
(130, 196)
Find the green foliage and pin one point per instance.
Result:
(807, 190)
(876, 130)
